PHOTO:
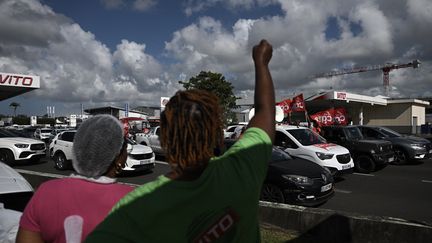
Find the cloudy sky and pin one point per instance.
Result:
(112, 52)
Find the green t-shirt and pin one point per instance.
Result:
(220, 206)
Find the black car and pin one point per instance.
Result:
(367, 154)
(406, 148)
(296, 181)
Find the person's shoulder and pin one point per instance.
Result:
(257, 134)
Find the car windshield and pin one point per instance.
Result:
(46, 130)
(279, 155)
(306, 136)
(389, 133)
(130, 141)
(354, 133)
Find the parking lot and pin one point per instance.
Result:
(402, 191)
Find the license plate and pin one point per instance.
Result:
(143, 162)
(326, 187)
(391, 159)
(344, 167)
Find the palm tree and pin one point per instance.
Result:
(14, 105)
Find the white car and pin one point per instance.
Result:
(14, 148)
(233, 131)
(15, 191)
(140, 157)
(151, 139)
(302, 142)
(43, 133)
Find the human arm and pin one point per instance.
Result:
(24, 236)
(264, 98)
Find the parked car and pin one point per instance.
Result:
(367, 154)
(150, 139)
(233, 131)
(28, 132)
(56, 131)
(302, 142)
(15, 191)
(406, 148)
(295, 180)
(14, 148)
(140, 157)
(42, 133)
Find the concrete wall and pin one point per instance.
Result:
(390, 115)
(323, 225)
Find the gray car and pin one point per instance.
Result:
(406, 148)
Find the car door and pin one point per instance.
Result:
(154, 140)
(65, 142)
(371, 133)
(286, 143)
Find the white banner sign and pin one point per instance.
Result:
(19, 80)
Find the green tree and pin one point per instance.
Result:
(14, 106)
(218, 85)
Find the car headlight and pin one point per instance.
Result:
(21, 145)
(417, 146)
(324, 156)
(372, 151)
(299, 180)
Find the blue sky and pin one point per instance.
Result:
(112, 52)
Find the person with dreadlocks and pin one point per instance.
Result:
(205, 198)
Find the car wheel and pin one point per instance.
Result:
(401, 157)
(272, 193)
(6, 156)
(59, 161)
(364, 164)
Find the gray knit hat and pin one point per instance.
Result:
(97, 142)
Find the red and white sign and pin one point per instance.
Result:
(298, 103)
(341, 96)
(332, 116)
(19, 80)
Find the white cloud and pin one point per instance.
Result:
(77, 67)
(73, 65)
(143, 5)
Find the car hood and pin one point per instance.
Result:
(11, 181)
(328, 148)
(21, 140)
(140, 149)
(409, 139)
(298, 166)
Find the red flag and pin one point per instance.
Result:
(330, 117)
(340, 116)
(324, 118)
(298, 103)
(286, 105)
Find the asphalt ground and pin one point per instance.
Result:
(403, 191)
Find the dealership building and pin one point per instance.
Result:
(405, 115)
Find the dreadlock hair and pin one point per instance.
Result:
(191, 128)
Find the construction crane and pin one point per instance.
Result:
(386, 68)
